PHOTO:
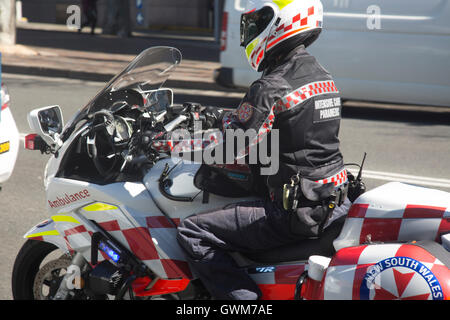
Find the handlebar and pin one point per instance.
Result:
(175, 122)
(135, 154)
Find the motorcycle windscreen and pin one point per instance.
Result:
(147, 72)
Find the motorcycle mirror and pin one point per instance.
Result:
(159, 100)
(48, 123)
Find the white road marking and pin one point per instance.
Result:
(397, 177)
(368, 16)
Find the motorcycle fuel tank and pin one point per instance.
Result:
(179, 183)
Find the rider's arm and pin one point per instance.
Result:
(255, 112)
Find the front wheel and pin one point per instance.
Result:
(36, 273)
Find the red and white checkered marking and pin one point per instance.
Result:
(287, 29)
(295, 98)
(337, 179)
(304, 93)
(299, 22)
(149, 243)
(397, 212)
(258, 53)
(413, 222)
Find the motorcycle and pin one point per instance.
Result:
(115, 209)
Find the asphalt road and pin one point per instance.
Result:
(409, 145)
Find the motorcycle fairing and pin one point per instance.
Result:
(46, 231)
(124, 210)
(396, 212)
(145, 221)
(278, 282)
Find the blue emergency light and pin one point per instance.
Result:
(110, 252)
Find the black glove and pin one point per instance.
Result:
(355, 188)
(213, 117)
(145, 141)
(149, 137)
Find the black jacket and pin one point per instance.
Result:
(298, 97)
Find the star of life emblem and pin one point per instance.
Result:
(245, 112)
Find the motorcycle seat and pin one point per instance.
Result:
(300, 250)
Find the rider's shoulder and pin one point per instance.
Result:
(309, 69)
(268, 87)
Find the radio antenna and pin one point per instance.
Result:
(358, 178)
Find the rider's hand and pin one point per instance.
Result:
(213, 117)
(146, 140)
(149, 137)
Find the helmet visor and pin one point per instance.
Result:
(254, 23)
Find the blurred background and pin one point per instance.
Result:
(401, 48)
(176, 15)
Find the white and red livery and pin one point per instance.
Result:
(114, 216)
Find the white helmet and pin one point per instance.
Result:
(269, 25)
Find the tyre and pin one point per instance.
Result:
(31, 274)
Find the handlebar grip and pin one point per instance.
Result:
(172, 124)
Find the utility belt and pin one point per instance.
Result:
(294, 198)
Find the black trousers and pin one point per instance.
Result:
(251, 226)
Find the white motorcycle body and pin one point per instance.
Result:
(136, 214)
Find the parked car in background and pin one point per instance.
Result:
(9, 137)
(382, 51)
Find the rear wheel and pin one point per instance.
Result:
(38, 270)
